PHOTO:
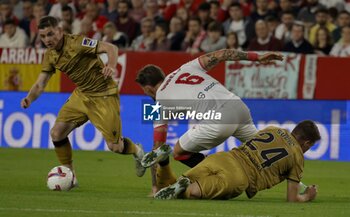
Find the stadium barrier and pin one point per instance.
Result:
(29, 128)
(298, 77)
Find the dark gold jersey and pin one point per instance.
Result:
(272, 156)
(79, 60)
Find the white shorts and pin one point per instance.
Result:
(209, 134)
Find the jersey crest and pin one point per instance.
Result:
(88, 42)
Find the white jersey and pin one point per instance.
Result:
(190, 85)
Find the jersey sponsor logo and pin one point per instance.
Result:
(88, 42)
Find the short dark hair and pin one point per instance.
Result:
(10, 21)
(47, 21)
(214, 26)
(307, 131)
(67, 8)
(150, 75)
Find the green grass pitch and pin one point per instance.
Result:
(109, 187)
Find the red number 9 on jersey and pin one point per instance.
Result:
(187, 78)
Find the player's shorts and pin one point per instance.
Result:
(219, 176)
(208, 134)
(102, 111)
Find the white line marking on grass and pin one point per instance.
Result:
(124, 212)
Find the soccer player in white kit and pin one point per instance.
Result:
(191, 86)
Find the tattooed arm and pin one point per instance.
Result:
(210, 60)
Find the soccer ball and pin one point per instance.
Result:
(60, 178)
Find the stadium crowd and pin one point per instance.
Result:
(301, 26)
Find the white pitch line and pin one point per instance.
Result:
(124, 212)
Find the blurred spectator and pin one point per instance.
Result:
(182, 13)
(6, 12)
(13, 36)
(232, 41)
(168, 9)
(190, 5)
(161, 42)
(272, 23)
(287, 6)
(204, 15)
(93, 12)
(68, 17)
(145, 40)
(214, 40)
(111, 10)
(283, 30)
(323, 41)
(261, 11)
(242, 26)
(194, 36)
(46, 4)
(332, 15)
(87, 29)
(56, 9)
(176, 34)
(152, 10)
(80, 6)
(222, 11)
(24, 23)
(137, 12)
(338, 4)
(247, 7)
(342, 20)
(264, 41)
(321, 21)
(66, 27)
(307, 13)
(112, 35)
(17, 8)
(214, 10)
(342, 48)
(124, 22)
(298, 43)
(38, 12)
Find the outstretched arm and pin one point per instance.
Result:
(210, 60)
(293, 192)
(36, 89)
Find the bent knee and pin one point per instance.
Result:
(56, 134)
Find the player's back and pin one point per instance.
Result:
(190, 85)
(272, 156)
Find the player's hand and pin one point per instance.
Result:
(270, 57)
(25, 103)
(311, 192)
(108, 71)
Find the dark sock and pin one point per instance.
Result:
(193, 160)
(129, 146)
(63, 151)
(164, 162)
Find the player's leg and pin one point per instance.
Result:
(59, 135)
(224, 179)
(165, 176)
(104, 114)
(71, 115)
(204, 136)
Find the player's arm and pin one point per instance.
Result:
(293, 194)
(210, 60)
(112, 53)
(36, 90)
